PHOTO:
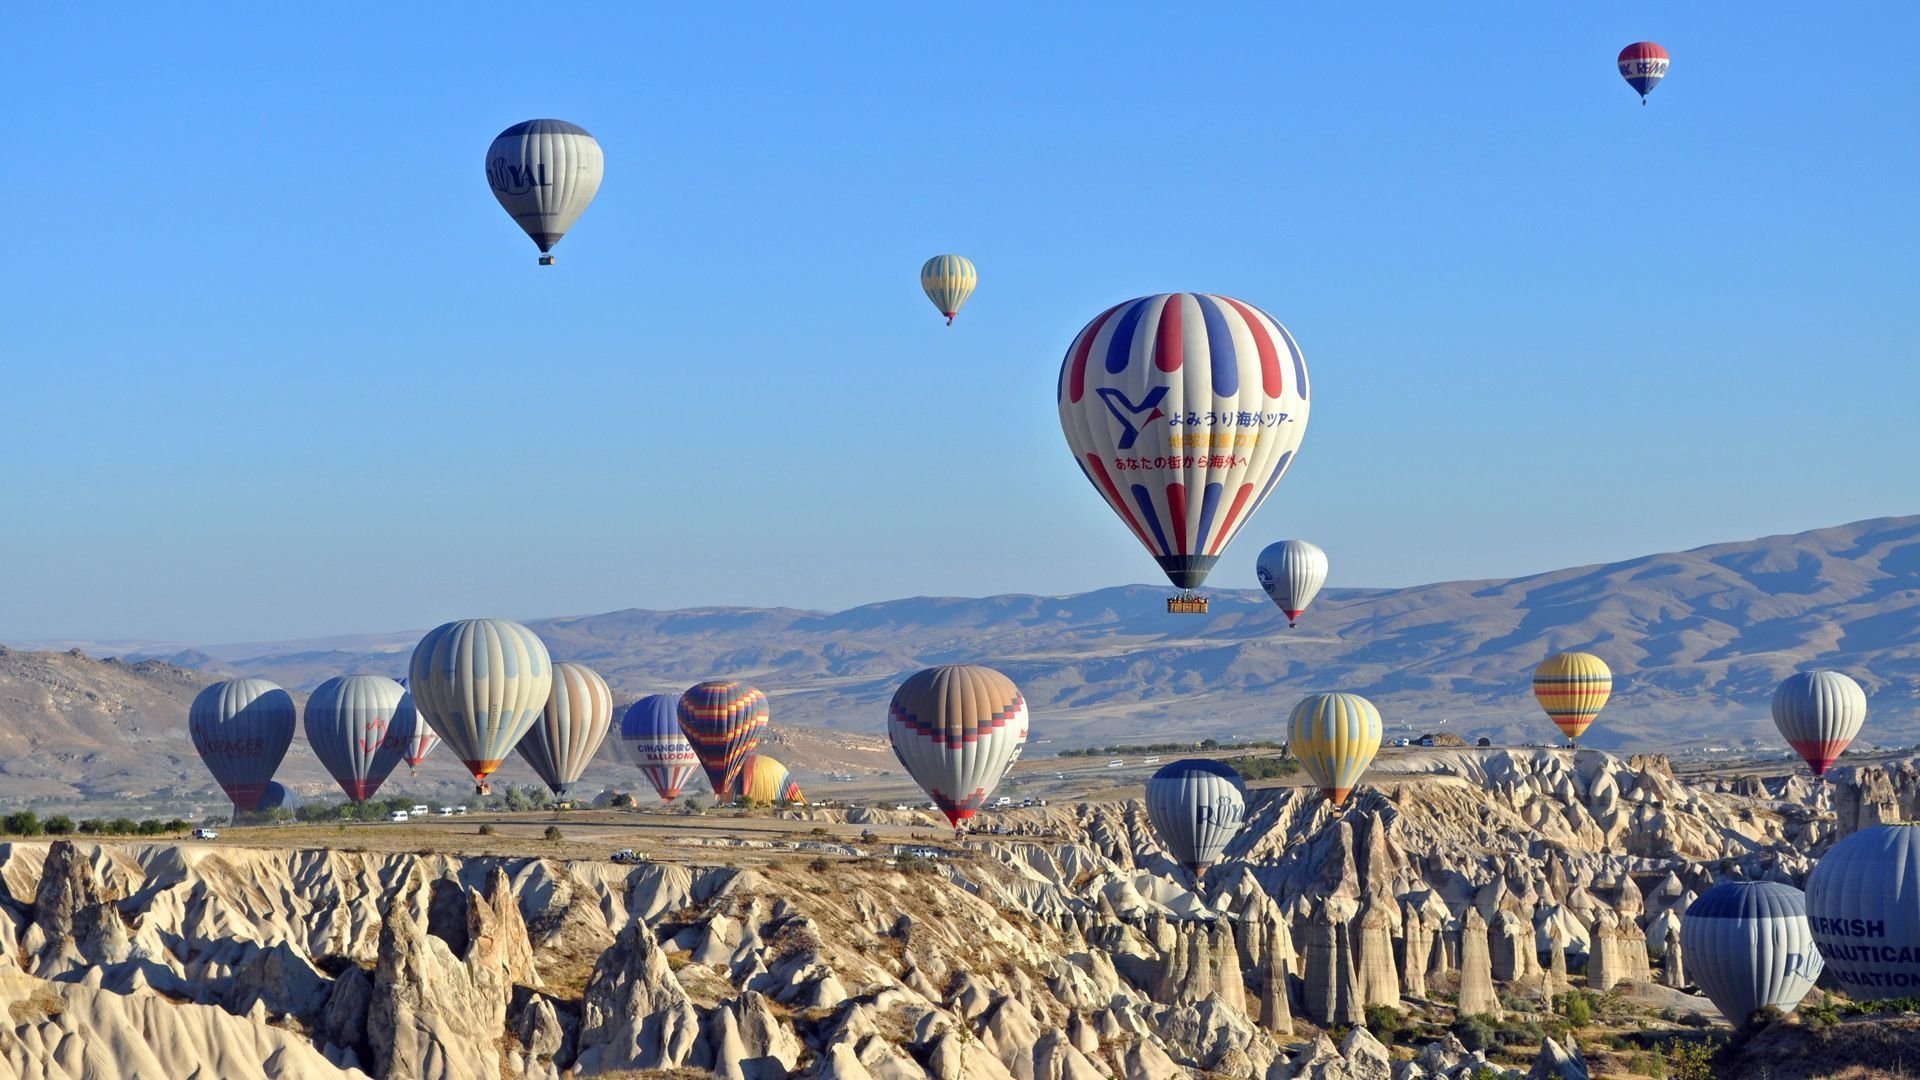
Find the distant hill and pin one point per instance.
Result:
(1697, 640)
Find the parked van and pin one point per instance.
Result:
(397, 815)
(205, 834)
(420, 811)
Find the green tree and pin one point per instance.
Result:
(23, 823)
(59, 825)
(553, 833)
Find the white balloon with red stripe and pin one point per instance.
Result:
(1184, 410)
(958, 730)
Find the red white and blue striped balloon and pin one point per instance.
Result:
(650, 737)
(1643, 64)
(1184, 410)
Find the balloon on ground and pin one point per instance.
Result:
(1196, 806)
(1292, 572)
(1863, 906)
(578, 714)
(1335, 737)
(480, 684)
(349, 720)
(1819, 713)
(651, 739)
(1643, 64)
(765, 780)
(1184, 410)
(1572, 687)
(242, 728)
(723, 720)
(948, 280)
(1748, 946)
(957, 729)
(544, 173)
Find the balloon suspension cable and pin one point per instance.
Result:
(949, 318)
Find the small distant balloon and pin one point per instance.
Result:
(948, 280)
(415, 738)
(1335, 737)
(349, 720)
(723, 719)
(1292, 572)
(958, 729)
(651, 736)
(1819, 713)
(1643, 64)
(1572, 687)
(765, 780)
(577, 717)
(544, 173)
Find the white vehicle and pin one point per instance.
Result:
(1116, 763)
(1151, 761)
(446, 811)
(1403, 741)
(205, 834)
(1004, 800)
(902, 806)
(397, 815)
(460, 809)
(419, 811)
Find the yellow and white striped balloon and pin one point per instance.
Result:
(1335, 737)
(948, 280)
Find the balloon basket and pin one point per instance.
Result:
(1187, 604)
(546, 260)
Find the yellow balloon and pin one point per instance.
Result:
(1335, 736)
(1573, 687)
(948, 280)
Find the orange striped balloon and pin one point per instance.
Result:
(1573, 687)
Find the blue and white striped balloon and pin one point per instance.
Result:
(480, 684)
(1196, 806)
(578, 715)
(544, 173)
(1747, 944)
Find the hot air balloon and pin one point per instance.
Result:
(480, 684)
(277, 797)
(1819, 713)
(1335, 736)
(1863, 905)
(723, 720)
(579, 713)
(948, 280)
(957, 729)
(545, 172)
(1573, 687)
(1748, 945)
(1196, 806)
(1643, 64)
(1184, 410)
(1292, 572)
(651, 738)
(764, 780)
(242, 729)
(411, 734)
(349, 723)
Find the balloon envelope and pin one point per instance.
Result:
(1292, 572)
(1643, 64)
(765, 780)
(651, 738)
(1819, 713)
(242, 729)
(544, 173)
(278, 797)
(1863, 905)
(1184, 410)
(411, 733)
(1748, 946)
(1196, 806)
(948, 280)
(349, 722)
(1572, 687)
(480, 684)
(1335, 737)
(723, 720)
(578, 714)
(957, 729)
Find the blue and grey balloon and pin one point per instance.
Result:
(1863, 905)
(1749, 947)
(1196, 806)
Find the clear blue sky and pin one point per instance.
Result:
(274, 363)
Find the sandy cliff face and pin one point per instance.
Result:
(1069, 948)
